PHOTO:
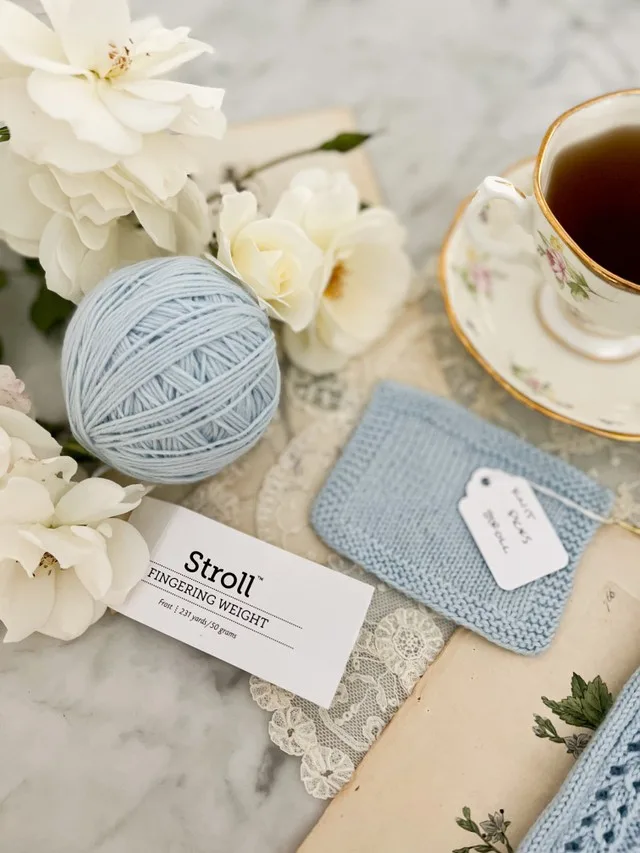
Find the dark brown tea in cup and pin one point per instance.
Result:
(594, 192)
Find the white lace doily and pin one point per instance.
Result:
(269, 492)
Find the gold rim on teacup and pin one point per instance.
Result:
(464, 339)
(596, 269)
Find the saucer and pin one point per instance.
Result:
(493, 305)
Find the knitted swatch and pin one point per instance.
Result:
(391, 505)
(598, 808)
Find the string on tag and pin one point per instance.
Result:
(594, 516)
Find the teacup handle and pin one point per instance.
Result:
(498, 188)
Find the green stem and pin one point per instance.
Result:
(284, 158)
(492, 846)
(77, 451)
(555, 738)
(5, 135)
(269, 164)
(488, 843)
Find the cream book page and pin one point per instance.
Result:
(464, 737)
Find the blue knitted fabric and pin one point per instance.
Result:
(391, 505)
(597, 810)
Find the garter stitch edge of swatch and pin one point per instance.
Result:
(391, 505)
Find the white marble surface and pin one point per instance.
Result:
(128, 741)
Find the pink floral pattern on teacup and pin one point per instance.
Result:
(476, 274)
(541, 388)
(565, 274)
(558, 265)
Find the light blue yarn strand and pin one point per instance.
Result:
(170, 371)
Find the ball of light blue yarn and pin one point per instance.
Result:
(170, 370)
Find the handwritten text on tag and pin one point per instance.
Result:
(511, 529)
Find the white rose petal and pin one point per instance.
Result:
(15, 546)
(60, 542)
(322, 202)
(95, 574)
(136, 114)
(307, 351)
(28, 41)
(273, 257)
(55, 474)
(44, 140)
(78, 102)
(22, 426)
(95, 499)
(99, 609)
(43, 470)
(73, 608)
(5, 452)
(25, 602)
(129, 556)
(24, 501)
(22, 216)
(87, 28)
(63, 557)
(367, 273)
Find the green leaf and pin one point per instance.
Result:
(5, 135)
(466, 811)
(461, 850)
(74, 449)
(597, 701)
(483, 848)
(467, 825)
(344, 142)
(588, 705)
(578, 686)
(545, 725)
(49, 311)
(570, 711)
(4, 279)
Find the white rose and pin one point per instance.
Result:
(85, 94)
(83, 226)
(321, 203)
(75, 266)
(97, 171)
(22, 217)
(367, 273)
(273, 256)
(63, 556)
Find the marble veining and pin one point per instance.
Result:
(126, 740)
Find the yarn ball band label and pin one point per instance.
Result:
(274, 614)
(511, 529)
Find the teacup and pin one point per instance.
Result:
(597, 312)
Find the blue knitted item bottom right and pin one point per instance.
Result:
(597, 810)
(391, 505)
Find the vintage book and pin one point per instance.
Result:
(465, 738)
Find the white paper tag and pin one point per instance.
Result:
(269, 612)
(511, 529)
